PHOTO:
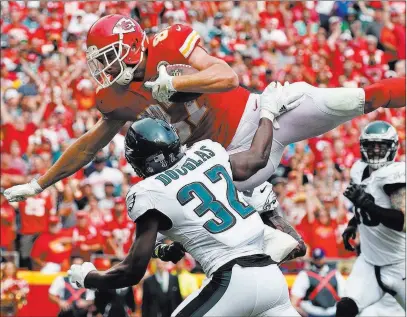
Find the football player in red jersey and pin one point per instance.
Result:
(121, 60)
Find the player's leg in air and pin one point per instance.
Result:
(320, 110)
(281, 241)
(364, 290)
(387, 306)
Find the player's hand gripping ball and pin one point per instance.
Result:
(161, 85)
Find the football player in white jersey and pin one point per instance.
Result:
(378, 192)
(190, 197)
(281, 241)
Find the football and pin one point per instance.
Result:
(179, 70)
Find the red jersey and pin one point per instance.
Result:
(54, 248)
(321, 236)
(122, 233)
(35, 212)
(21, 136)
(88, 236)
(7, 230)
(211, 116)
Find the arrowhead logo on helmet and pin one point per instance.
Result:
(124, 25)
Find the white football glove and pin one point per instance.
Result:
(77, 273)
(162, 88)
(277, 99)
(21, 192)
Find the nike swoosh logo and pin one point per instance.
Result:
(262, 190)
(178, 28)
(256, 106)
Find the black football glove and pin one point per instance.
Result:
(357, 195)
(349, 233)
(169, 252)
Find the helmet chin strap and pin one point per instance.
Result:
(126, 77)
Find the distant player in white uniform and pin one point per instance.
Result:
(190, 197)
(378, 192)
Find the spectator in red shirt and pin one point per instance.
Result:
(52, 249)
(271, 12)
(16, 28)
(119, 231)
(86, 238)
(343, 157)
(393, 34)
(95, 214)
(7, 229)
(20, 129)
(34, 215)
(9, 175)
(85, 95)
(373, 60)
(324, 233)
(322, 230)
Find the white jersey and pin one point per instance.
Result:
(379, 245)
(209, 217)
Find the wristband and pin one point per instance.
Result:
(267, 114)
(37, 188)
(270, 116)
(170, 85)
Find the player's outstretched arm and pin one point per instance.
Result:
(76, 156)
(246, 164)
(132, 269)
(82, 151)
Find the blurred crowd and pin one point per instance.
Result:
(47, 101)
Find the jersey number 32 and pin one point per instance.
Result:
(209, 202)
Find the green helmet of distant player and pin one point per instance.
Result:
(378, 144)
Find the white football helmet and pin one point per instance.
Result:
(378, 144)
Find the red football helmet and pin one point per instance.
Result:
(115, 42)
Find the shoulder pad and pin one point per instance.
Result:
(356, 171)
(392, 174)
(215, 146)
(138, 202)
(182, 38)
